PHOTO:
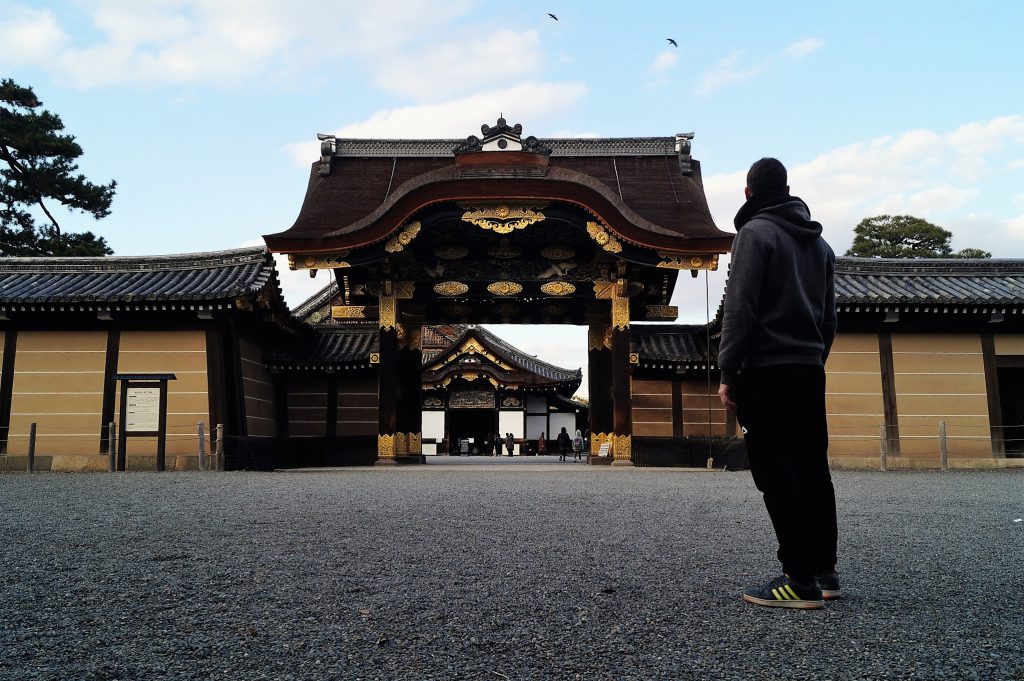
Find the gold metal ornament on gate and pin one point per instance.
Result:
(502, 218)
(558, 288)
(450, 288)
(504, 288)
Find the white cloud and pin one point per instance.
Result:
(1016, 164)
(224, 43)
(803, 48)
(30, 36)
(728, 71)
(457, 118)
(909, 173)
(439, 70)
(665, 61)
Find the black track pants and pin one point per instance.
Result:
(782, 411)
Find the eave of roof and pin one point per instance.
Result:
(180, 278)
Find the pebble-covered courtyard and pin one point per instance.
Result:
(494, 571)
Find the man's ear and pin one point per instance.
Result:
(787, 189)
(747, 193)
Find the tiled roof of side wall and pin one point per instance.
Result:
(191, 276)
(929, 281)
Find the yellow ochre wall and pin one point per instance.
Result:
(853, 395)
(652, 408)
(696, 403)
(182, 353)
(258, 390)
(58, 384)
(941, 377)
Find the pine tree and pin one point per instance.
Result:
(38, 165)
(905, 236)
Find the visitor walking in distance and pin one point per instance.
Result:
(778, 324)
(564, 442)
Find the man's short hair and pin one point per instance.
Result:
(767, 174)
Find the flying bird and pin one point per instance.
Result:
(674, 43)
(552, 16)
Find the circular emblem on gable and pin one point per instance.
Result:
(696, 262)
(558, 288)
(450, 288)
(558, 253)
(504, 288)
(501, 212)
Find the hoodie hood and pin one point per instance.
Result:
(788, 212)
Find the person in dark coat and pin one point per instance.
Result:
(497, 444)
(564, 444)
(510, 442)
(778, 323)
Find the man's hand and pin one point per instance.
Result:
(723, 394)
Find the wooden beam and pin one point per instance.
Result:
(892, 424)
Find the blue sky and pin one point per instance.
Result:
(206, 111)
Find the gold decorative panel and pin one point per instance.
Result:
(662, 312)
(558, 288)
(604, 289)
(620, 312)
(401, 444)
(415, 443)
(598, 439)
(403, 238)
(451, 252)
(504, 288)
(603, 237)
(450, 288)
(622, 447)
(374, 358)
(558, 253)
(387, 312)
(318, 262)
(688, 261)
(634, 358)
(348, 311)
(502, 218)
(386, 446)
(471, 399)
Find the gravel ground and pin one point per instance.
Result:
(497, 572)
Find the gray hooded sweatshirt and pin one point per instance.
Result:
(780, 305)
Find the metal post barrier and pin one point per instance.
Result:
(111, 447)
(201, 428)
(31, 448)
(943, 449)
(220, 447)
(883, 444)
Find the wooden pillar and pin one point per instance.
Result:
(599, 384)
(387, 377)
(409, 420)
(622, 391)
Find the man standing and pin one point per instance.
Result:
(778, 324)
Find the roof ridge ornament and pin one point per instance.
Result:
(683, 143)
(501, 137)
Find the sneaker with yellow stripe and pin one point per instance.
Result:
(783, 592)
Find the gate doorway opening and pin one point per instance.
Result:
(471, 432)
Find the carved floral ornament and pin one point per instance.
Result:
(396, 243)
(504, 288)
(502, 218)
(602, 236)
(450, 288)
(558, 288)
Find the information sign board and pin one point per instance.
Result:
(143, 410)
(605, 449)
